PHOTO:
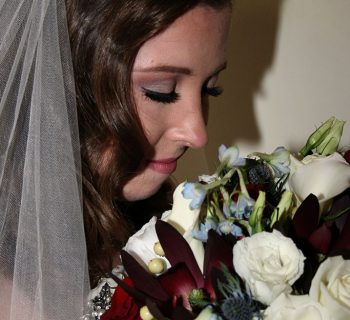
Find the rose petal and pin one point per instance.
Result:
(325, 177)
(331, 287)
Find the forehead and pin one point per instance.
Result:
(193, 40)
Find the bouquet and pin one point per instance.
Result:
(266, 236)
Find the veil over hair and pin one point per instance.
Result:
(43, 260)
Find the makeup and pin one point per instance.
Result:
(164, 166)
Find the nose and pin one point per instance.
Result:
(192, 129)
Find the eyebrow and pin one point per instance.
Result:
(166, 68)
(178, 70)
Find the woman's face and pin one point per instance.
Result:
(173, 75)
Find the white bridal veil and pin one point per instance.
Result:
(43, 263)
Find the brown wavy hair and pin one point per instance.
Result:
(105, 37)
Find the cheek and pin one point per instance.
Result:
(205, 109)
(143, 185)
(152, 118)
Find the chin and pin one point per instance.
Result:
(136, 195)
(143, 186)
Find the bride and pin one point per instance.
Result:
(99, 99)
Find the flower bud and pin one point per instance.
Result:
(317, 137)
(256, 216)
(330, 143)
(282, 207)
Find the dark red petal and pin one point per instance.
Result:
(178, 282)
(177, 250)
(138, 296)
(217, 251)
(347, 156)
(341, 203)
(321, 239)
(343, 243)
(142, 279)
(306, 218)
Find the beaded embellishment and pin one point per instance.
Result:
(101, 302)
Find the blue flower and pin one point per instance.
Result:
(228, 209)
(243, 207)
(230, 156)
(196, 192)
(237, 304)
(228, 227)
(278, 160)
(202, 233)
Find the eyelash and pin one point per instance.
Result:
(171, 97)
(213, 92)
(168, 97)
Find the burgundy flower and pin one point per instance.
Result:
(123, 306)
(306, 218)
(314, 234)
(324, 237)
(177, 251)
(167, 295)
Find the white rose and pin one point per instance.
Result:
(288, 307)
(331, 286)
(269, 263)
(181, 217)
(325, 177)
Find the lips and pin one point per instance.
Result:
(164, 166)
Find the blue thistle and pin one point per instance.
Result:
(237, 304)
(259, 174)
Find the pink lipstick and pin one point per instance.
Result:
(164, 166)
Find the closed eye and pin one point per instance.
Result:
(162, 97)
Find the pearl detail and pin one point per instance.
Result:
(145, 314)
(158, 249)
(156, 265)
